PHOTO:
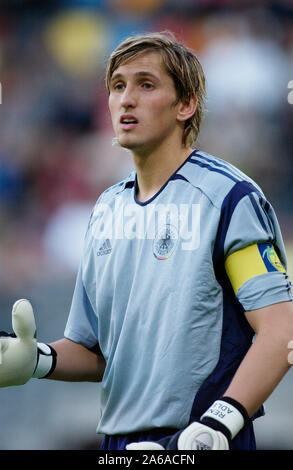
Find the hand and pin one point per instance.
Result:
(18, 352)
(21, 357)
(196, 436)
(217, 426)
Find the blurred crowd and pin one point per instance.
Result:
(56, 152)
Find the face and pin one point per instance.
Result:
(142, 104)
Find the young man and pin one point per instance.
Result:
(183, 263)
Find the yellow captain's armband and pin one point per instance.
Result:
(252, 261)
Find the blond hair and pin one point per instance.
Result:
(181, 64)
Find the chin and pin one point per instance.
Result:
(127, 144)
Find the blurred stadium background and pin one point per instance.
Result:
(56, 157)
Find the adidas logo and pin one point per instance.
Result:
(202, 445)
(105, 249)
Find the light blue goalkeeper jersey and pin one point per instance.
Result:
(153, 291)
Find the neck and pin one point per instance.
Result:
(155, 168)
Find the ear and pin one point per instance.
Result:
(187, 109)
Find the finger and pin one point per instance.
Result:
(23, 320)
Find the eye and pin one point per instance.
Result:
(147, 85)
(118, 86)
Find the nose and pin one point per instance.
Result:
(128, 97)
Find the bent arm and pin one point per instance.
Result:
(266, 362)
(76, 363)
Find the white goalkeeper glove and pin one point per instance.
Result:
(217, 426)
(21, 357)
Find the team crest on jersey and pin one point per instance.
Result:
(165, 242)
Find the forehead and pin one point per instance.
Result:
(147, 62)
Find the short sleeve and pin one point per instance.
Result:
(253, 250)
(82, 323)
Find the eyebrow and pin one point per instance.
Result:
(142, 73)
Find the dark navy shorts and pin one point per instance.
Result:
(245, 439)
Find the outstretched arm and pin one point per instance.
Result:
(22, 357)
(76, 363)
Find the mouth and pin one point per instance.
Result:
(128, 122)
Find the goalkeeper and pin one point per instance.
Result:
(186, 329)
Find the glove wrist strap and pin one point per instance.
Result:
(226, 415)
(46, 363)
